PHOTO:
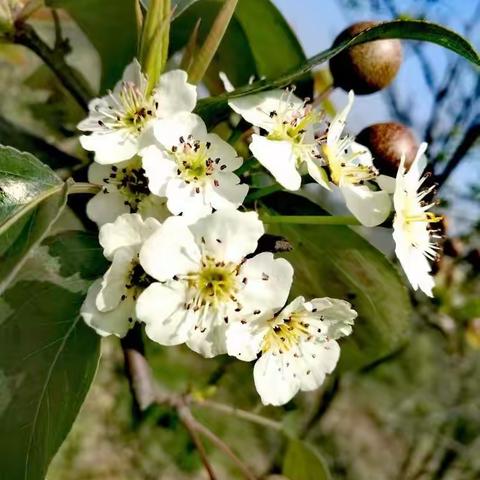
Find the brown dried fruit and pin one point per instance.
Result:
(387, 142)
(365, 68)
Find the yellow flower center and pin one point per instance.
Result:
(194, 163)
(286, 333)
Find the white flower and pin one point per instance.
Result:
(109, 307)
(290, 142)
(350, 166)
(192, 168)
(298, 346)
(414, 240)
(117, 120)
(125, 189)
(205, 282)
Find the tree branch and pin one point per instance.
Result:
(25, 35)
(138, 370)
(192, 425)
(469, 140)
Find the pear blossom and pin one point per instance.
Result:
(125, 189)
(290, 143)
(298, 346)
(117, 121)
(415, 241)
(109, 307)
(192, 168)
(350, 167)
(207, 280)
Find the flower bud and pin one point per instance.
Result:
(388, 142)
(365, 68)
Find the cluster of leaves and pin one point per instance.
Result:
(48, 357)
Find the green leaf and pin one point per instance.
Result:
(303, 462)
(250, 45)
(111, 27)
(78, 252)
(335, 261)
(48, 358)
(31, 198)
(404, 29)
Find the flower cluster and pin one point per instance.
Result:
(185, 262)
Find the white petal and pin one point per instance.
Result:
(127, 230)
(115, 322)
(208, 343)
(337, 315)
(159, 169)
(279, 159)
(227, 84)
(184, 199)
(132, 73)
(106, 206)
(223, 150)
(97, 173)
(228, 193)
(154, 207)
(338, 123)
(386, 183)
(318, 173)
(274, 381)
(363, 155)
(112, 147)
(229, 235)
(369, 207)
(174, 94)
(418, 165)
(268, 283)
(244, 340)
(115, 279)
(170, 251)
(316, 360)
(256, 108)
(169, 130)
(161, 307)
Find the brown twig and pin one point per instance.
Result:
(138, 370)
(55, 59)
(191, 426)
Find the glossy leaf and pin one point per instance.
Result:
(78, 252)
(404, 29)
(48, 358)
(335, 261)
(111, 27)
(31, 198)
(250, 45)
(303, 462)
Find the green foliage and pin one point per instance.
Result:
(405, 29)
(78, 252)
(111, 27)
(31, 198)
(250, 45)
(48, 359)
(335, 261)
(303, 462)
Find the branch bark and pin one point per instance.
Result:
(55, 59)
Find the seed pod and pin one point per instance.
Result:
(365, 68)
(387, 142)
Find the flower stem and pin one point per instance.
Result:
(237, 412)
(311, 219)
(83, 187)
(263, 192)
